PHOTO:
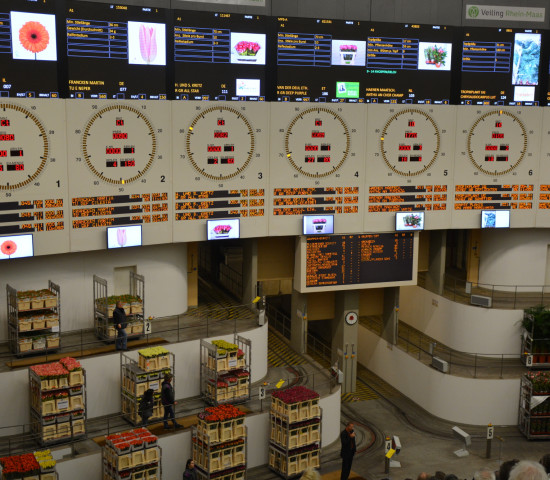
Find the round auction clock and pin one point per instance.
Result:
(220, 143)
(497, 142)
(351, 318)
(410, 142)
(24, 148)
(119, 144)
(317, 142)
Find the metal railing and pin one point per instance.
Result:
(231, 280)
(278, 320)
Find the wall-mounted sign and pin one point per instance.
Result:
(495, 12)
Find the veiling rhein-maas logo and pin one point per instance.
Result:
(473, 11)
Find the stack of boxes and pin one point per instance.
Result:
(295, 438)
(39, 465)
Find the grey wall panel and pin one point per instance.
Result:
(221, 7)
(357, 10)
(284, 8)
(383, 10)
(511, 3)
(439, 12)
(320, 9)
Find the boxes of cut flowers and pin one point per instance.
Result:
(153, 358)
(295, 404)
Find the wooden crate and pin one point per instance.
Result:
(63, 429)
(37, 303)
(25, 345)
(76, 378)
(239, 456)
(38, 323)
(152, 455)
(123, 462)
(53, 342)
(79, 427)
(227, 458)
(226, 431)
(50, 302)
(77, 402)
(52, 322)
(25, 325)
(23, 305)
(136, 308)
(138, 458)
(238, 427)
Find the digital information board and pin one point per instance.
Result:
(33, 173)
(325, 60)
(120, 170)
(220, 166)
(317, 165)
(116, 51)
(357, 261)
(28, 49)
(500, 66)
(232, 45)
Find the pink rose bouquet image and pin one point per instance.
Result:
(247, 49)
(319, 220)
(148, 43)
(348, 48)
(121, 236)
(221, 229)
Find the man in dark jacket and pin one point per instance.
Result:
(168, 401)
(347, 440)
(120, 322)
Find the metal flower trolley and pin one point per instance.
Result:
(225, 370)
(38, 465)
(132, 455)
(219, 444)
(534, 405)
(137, 377)
(295, 438)
(133, 303)
(58, 401)
(33, 320)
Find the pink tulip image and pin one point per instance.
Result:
(148, 43)
(121, 236)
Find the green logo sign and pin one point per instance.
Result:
(347, 89)
(473, 11)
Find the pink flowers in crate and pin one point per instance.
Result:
(319, 220)
(295, 394)
(148, 43)
(50, 370)
(348, 48)
(540, 381)
(249, 49)
(218, 229)
(70, 364)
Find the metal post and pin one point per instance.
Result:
(475, 365)
(490, 434)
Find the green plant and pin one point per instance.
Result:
(536, 321)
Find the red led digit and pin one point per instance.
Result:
(119, 136)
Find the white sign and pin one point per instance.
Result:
(495, 12)
(490, 432)
(147, 329)
(261, 393)
(387, 445)
(63, 404)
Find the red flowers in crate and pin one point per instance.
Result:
(50, 370)
(70, 364)
(295, 394)
(122, 441)
(19, 464)
(221, 413)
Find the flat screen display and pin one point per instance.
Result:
(124, 236)
(16, 246)
(232, 45)
(28, 49)
(222, 229)
(495, 219)
(500, 66)
(116, 51)
(318, 224)
(409, 221)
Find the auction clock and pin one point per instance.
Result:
(220, 142)
(119, 144)
(24, 146)
(497, 142)
(317, 142)
(410, 142)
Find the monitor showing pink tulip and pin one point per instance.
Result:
(124, 236)
(146, 43)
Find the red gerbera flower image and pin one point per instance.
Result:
(34, 37)
(8, 247)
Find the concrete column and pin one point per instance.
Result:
(436, 270)
(345, 327)
(389, 317)
(298, 322)
(249, 270)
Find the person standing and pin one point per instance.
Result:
(347, 440)
(146, 406)
(168, 401)
(119, 319)
(190, 472)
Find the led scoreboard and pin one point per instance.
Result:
(28, 49)
(116, 51)
(232, 45)
(500, 66)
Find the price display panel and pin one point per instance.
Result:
(220, 167)
(320, 60)
(232, 45)
(33, 173)
(543, 199)
(408, 63)
(28, 49)
(116, 51)
(317, 166)
(500, 66)
(410, 154)
(496, 164)
(120, 170)
(357, 261)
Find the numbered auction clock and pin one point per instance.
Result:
(410, 142)
(119, 144)
(497, 142)
(24, 147)
(317, 142)
(220, 143)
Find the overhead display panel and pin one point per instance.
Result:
(500, 66)
(221, 167)
(116, 51)
(317, 166)
(496, 164)
(28, 43)
(120, 170)
(232, 45)
(409, 166)
(33, 173)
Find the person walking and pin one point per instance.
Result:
(120, 322)
(190, 472)
(146, 405)
(168, 402)
(347, 440)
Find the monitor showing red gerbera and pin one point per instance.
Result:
(28, 49)
(16, 246)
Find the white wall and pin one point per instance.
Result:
(513, 257)
(163, 266)
(456, 399)
(462, 327)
